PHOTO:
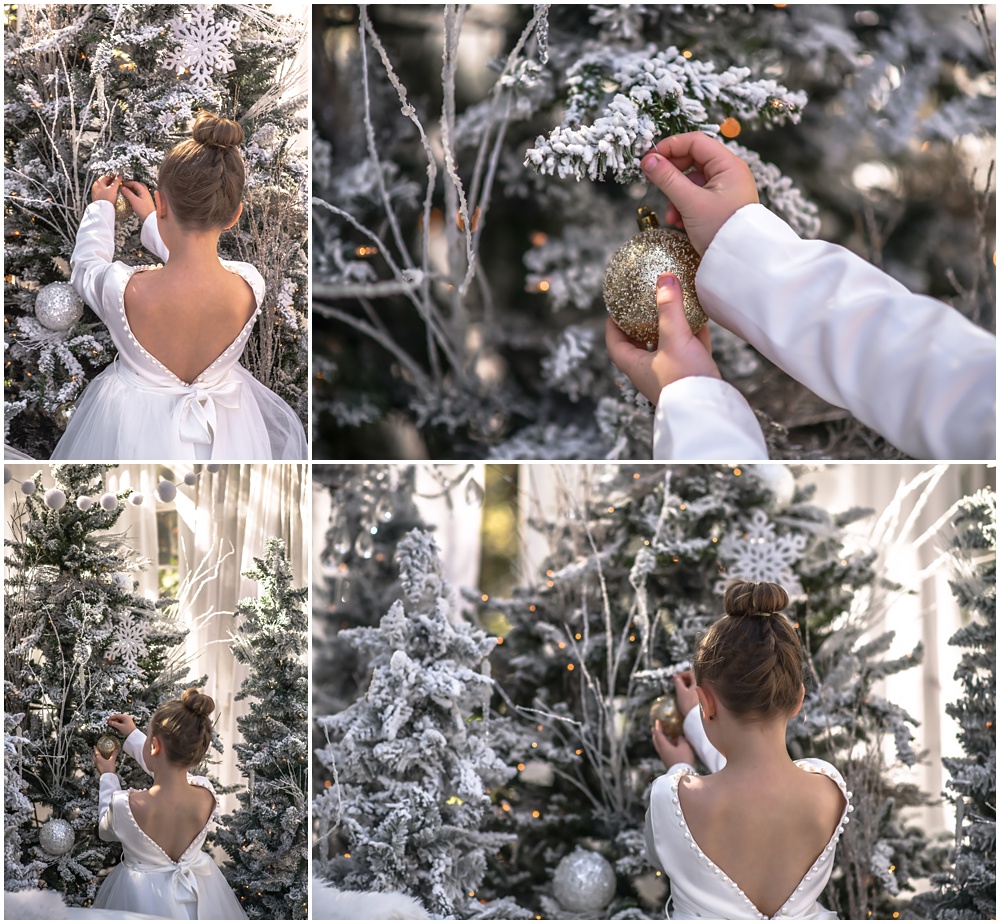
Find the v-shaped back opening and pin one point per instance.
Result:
(157, 845)
(812, 864)
(148, 353)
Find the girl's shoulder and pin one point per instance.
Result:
(251, 275)
(824, 768)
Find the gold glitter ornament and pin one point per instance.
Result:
(664, 709)
(122, 208)
(630, 279)
(107, 745)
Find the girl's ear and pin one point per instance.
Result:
(709, 707)
(798, 705)
(236, 217)
(155, 745)
(161, 204)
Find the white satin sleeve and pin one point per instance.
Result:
(909, 366)
(110, 784)
(694, 732)
(133, 747)
(702, 418)
(150, 237)
(92, 262)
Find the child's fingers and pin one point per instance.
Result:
(705, 336)
(682, 193)
(670, 306)
(622, 349)
(698, 150)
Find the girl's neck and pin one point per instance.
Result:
(195, 251)
(170, 777)
(752, 747)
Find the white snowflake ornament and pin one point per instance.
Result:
(757, 553)
(201, 47)
(130, 641)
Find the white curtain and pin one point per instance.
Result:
(224, 521)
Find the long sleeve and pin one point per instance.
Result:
(907, 365)
(150, 237)
(133, 747)
(110, 784)
(92, 260)
(706, 419)
(694, 731)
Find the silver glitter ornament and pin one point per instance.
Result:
(584, 881)
(664, 710)
(122, 208)
(57, 306)
(630, 279)
(56, 837)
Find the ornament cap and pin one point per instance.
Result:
(646, 218)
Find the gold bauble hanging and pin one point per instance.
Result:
(630, 279)
(664, 710)
(122, 208)
(107, 745)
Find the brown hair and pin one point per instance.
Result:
(184, 726)
(752, 656)
(203, 177)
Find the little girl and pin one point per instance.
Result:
(164, 870)
(756, 837)
(906, 365)
(176, 389)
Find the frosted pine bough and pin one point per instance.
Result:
(644, 96)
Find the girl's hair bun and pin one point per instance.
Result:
(754, 598)
(216, 132)
(197, 702)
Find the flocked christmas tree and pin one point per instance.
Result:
(92, 89)
(968, 889)
(80, 645)
(266, 837)
(462, 228)
(638, 562)
(408, 768)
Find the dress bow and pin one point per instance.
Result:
(186, 875)
(198, 414)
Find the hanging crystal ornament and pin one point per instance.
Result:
(630, 279)
(364, 545)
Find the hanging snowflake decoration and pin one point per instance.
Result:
(202, 45)
(757, 553)
(130, 641)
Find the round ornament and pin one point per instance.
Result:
(122, 208)
(630, 279)
(664, 710)
(55, 499)
(84, 503)
(779, 480)
(165, 492)
(109, 501)
(7, 474)
(107, 745)
(190, 479)
(56, 837)
(57, 306)
(584, 881)
(28, 488)
(136, 499)
(213, 467)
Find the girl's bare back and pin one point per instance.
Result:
(764, 832)
(184, 320)
(172, 820)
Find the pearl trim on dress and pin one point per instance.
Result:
(832, 773)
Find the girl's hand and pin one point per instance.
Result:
(122, 723)
(677, 752)
(105, 189)
(684, 692)
(678, 354)
(104, 764)
(139, 197)
(702, 201)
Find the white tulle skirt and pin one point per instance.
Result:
(235, 418)
(158, 892)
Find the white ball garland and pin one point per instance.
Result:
(55, 498)
(136, 499)
(28, 488)
(778, 478)
(7, 474)
(84, 503)
(190, 479)
(214, 467)
(109, 501)
(166, 491)
(57, 306)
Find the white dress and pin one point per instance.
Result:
(147, 881)
(908, 366)
(698, 888)
(137, 408)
